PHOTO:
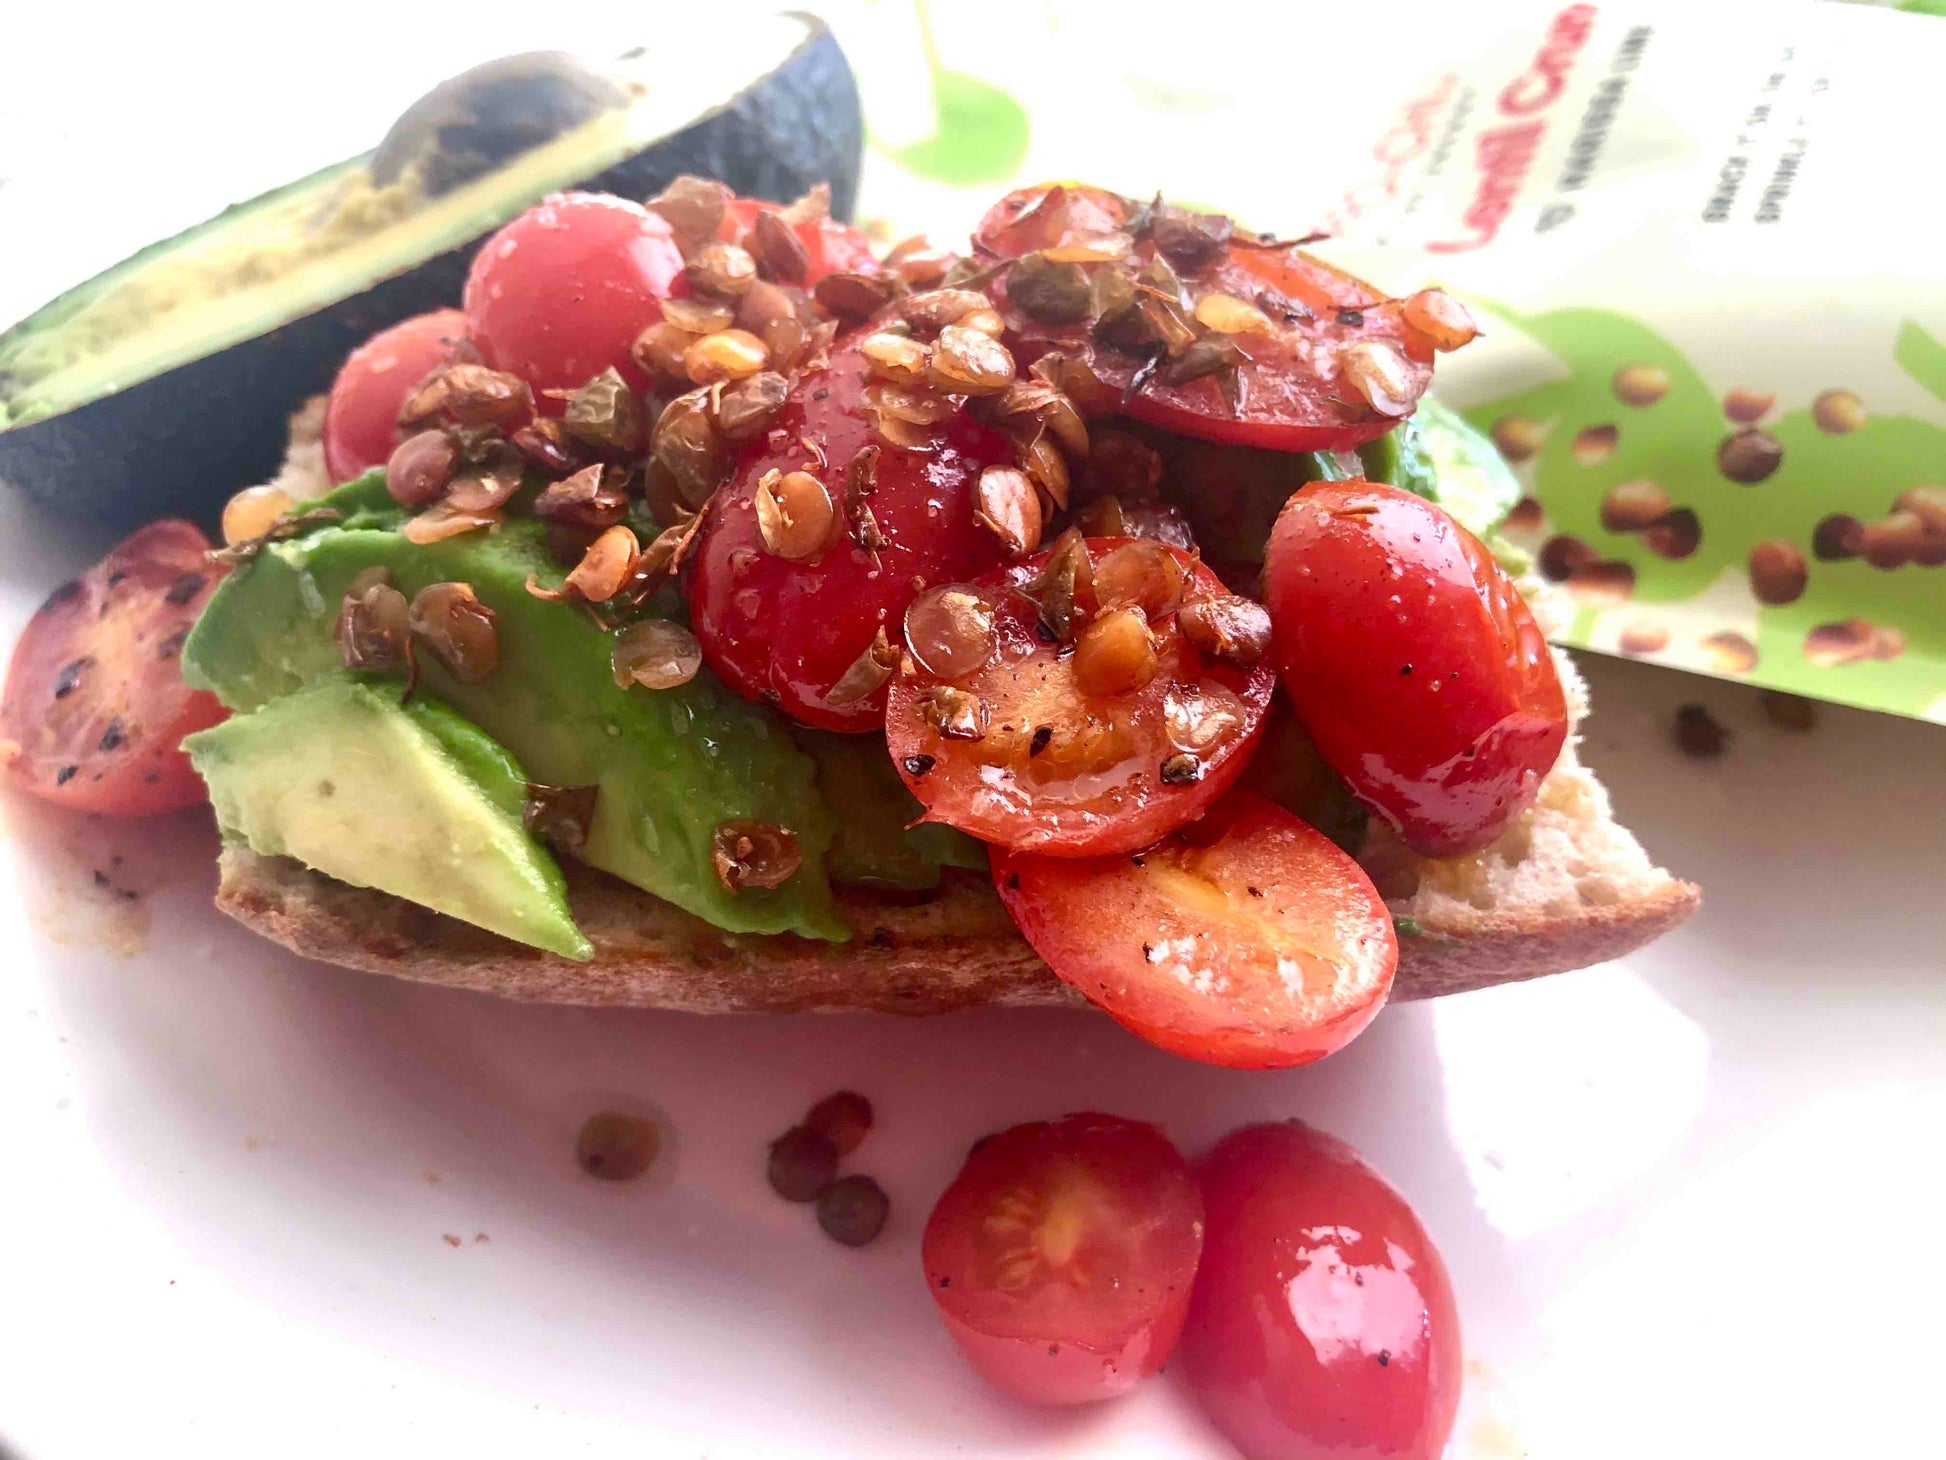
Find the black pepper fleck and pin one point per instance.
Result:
(65, 774)
(1149, 955)
(820, 393)
(113, 737)
(1350, 318)
(1405, 669)
(1042, 735)
(917, 765)
(69, 679)
(1384, 1358)
(185, 588)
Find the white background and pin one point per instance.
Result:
(1690, 1203)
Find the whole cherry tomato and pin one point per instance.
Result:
(1200, 329)
(782, 620)
(1323, 1325)
(559, 294)
(1413, 662)
(95, 707)
(1246, 939)
(1081, 741)
(1062, 1255)
(361, 415)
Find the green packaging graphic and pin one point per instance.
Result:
(1712, 296)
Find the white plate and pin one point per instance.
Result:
(258, 1207)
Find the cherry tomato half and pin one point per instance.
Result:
(830, 247)
(361, 415)
(1413, 662)
(559, 294)
(1062, 1256)
(1266, 345)
(785, 629)
(1080, 749)
(95, 708)
(1323, 1325)
(1248, 939)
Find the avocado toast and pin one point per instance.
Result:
(713, 615)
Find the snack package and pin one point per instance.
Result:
(1710, 282)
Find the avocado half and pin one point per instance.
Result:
(163, 385)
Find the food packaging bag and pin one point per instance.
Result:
(1703, 246)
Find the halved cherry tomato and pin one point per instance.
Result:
(1323, 1325)
(361, 415)
(830, 247)
(1032, 745)
(1247, 939)
(1413, 662)
(784, 630)
(1321, 360)
(95, 707)
(559, 294)
(1062, 1256)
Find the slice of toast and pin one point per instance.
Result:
(1565, 887)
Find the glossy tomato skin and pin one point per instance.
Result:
(783, 631)
(1292, 392)
(361, 414)
(1413, 663)
(830, 247)
(1323, 1325)
(559, 294)
(1249, 940)
(1063, 1254)
(94, 699)
(1096, 786)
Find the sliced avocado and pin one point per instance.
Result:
(672, 765)
(163, 384)
(412, 800)
(877, 845)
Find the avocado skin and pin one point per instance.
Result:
(180, 443)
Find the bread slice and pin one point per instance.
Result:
(1566, 886)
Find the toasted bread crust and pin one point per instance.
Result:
(954, 950)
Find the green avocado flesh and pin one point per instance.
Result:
(671, 764)
(412, 800)
(876, 844)
(334, 234)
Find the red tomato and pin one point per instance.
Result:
(1413, 662)
(1062, 1256)
(559, 294)
(361, 415)
(1317, 329)
(784, 631)
(1058, 765)
(1248, 939)
(95, 708)
(1323, 1325)
(830, 247)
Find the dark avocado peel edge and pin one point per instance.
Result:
(182, 440)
